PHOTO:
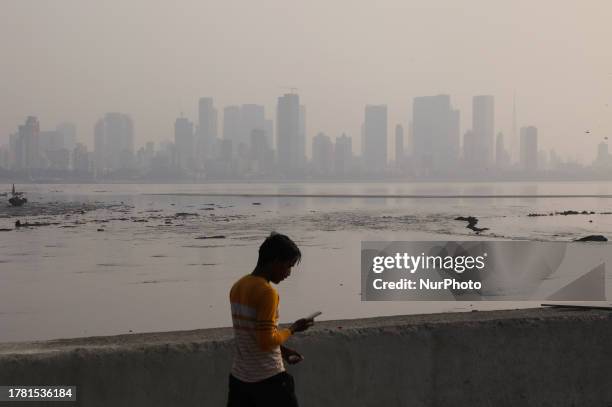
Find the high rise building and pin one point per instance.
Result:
(252, 117)
(301, 148)
(184, 143)
(269, 128)
(288, 129)
(69, 133)
(99, 153)
(54, 154)
(529, 148)
(399, 145)
(322, 154)
(232, 126)
(27, 145)
(343, 155)
(469, 150)
(80, 158)
(113, 143)
(374, 149)
(51, 140)
(207, 130)
(602, 160)
(261, 154)
(483, 126)
(436, 133)
(502, 156)
(5, 154)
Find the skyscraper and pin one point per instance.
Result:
(53, 150)
(100, 152)
(261, 154)
(602, 160)
(207, 129)
(184, 143)
(288, 126)
(113, 142)
(68, 130)
(435, 136)
(469, 150)
(322, 154)
(502, 157)
(399, 145)
(375, 138)
(80, 158)
(529, 148)
(343, 155)
(27, 151)
(302, 138)
(252, 117)
(483, 126)
(232, 127)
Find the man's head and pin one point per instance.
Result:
(277, 255)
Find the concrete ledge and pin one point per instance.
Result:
(536, 357)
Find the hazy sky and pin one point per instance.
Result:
(77, 59)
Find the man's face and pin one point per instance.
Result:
(281, 270)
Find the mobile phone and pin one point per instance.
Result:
(314, 315)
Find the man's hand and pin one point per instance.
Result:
(301, 325)
(291, 356)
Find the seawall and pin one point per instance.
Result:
(534, 357)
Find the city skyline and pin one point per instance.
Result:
(241, 53)
(250, 148)
(237, 122)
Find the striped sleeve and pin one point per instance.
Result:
(266, 332)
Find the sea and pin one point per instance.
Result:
(108, 259)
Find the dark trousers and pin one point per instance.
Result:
(275, 391)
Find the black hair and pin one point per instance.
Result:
(278, 247)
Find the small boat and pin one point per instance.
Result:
(17, 198)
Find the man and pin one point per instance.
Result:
(258, 376)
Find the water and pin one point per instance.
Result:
(149, 269)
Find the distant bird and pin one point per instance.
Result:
(588, 131)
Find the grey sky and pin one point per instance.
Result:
(77, 59)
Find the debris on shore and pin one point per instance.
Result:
(472, 221)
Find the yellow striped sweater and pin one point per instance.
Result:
(257, 337)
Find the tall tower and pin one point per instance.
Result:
(252, 117)
(529, 148)
(302, 138)
(27, 150)
(207, 129)
(288, 133)
(184, 144)
(483, 126)
(231, 125)
(435, 137)
(322, 154)
(113, 142)
(399, 145)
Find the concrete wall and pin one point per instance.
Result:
(502, 358)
